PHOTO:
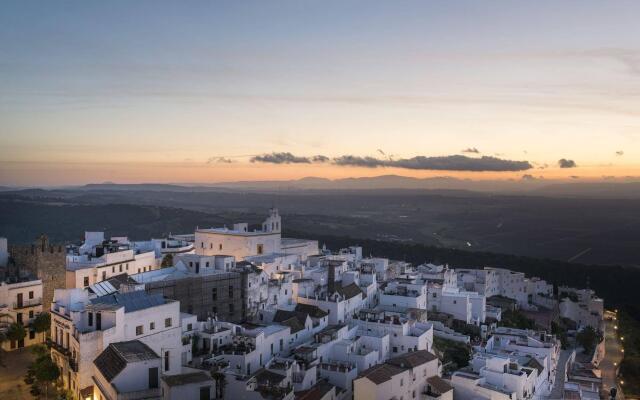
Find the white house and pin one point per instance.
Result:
(82, 326)
(20, 302)
(409, 376)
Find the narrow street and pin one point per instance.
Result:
(612, 358)
(558, 385)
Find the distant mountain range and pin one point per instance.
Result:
(536, 187)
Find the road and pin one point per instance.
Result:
(12, 372)
(558, 383)
(613, 355)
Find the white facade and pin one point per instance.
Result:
(404, 377)
(20, 302)
(98, 260)
(239, 242)
(82, 327)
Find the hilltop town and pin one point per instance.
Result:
(242, 312)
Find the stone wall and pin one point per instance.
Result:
(43, 260)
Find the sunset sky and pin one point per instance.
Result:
(191, 91)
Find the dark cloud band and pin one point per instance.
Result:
(444, 163)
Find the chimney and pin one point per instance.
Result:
(332, 278)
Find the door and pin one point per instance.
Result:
(205, 393)
(99, 321)
(19, 301)
(153, 378)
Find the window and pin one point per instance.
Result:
(90, 323)
(202, 245)
(30, 314)
(31, 294)
(152, 326)
(207, 264)
(32, 334)
(86, 281)
(120, 267)
(166, 360)
(104, 275)
(230, 308)
(214, 294)
(211, 245)
(230, 291)
(260, 249)
(189, 327)
(139, 330)
(113, 269)
(167, 322)
(401, 382)
(220, 246)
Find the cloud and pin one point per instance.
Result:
(219, 160)
(471, 150)
(382, 153)
(619, 153)
(564, 163)
(575, 177)
(320, 159)
(356, 161)
(444, 163)
(280, 158)
(528, 177)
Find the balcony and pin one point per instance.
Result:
(59, 348)
(429, 395)
(27, 303)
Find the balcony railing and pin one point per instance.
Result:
(27, 303)
(58, 347)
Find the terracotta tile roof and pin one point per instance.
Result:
(381, 373)
(439, 385)
(412, 359)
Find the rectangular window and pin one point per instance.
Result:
(31, 294)
(113, 269)
(139, 330)
(166, 360)
(167, 322)
(104, 275)
(32, 334)
(214, 294)
(220, 247)
(120, 267)
(30, 314)
(90, 316)
(152, 326)
(86, 281)
(230, 308)
(230, 291)
(189, 327)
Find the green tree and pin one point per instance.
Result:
(16, 332)
(221, 381)
(167, 261)
(42, 323)
(42, 372)
(588, 338)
